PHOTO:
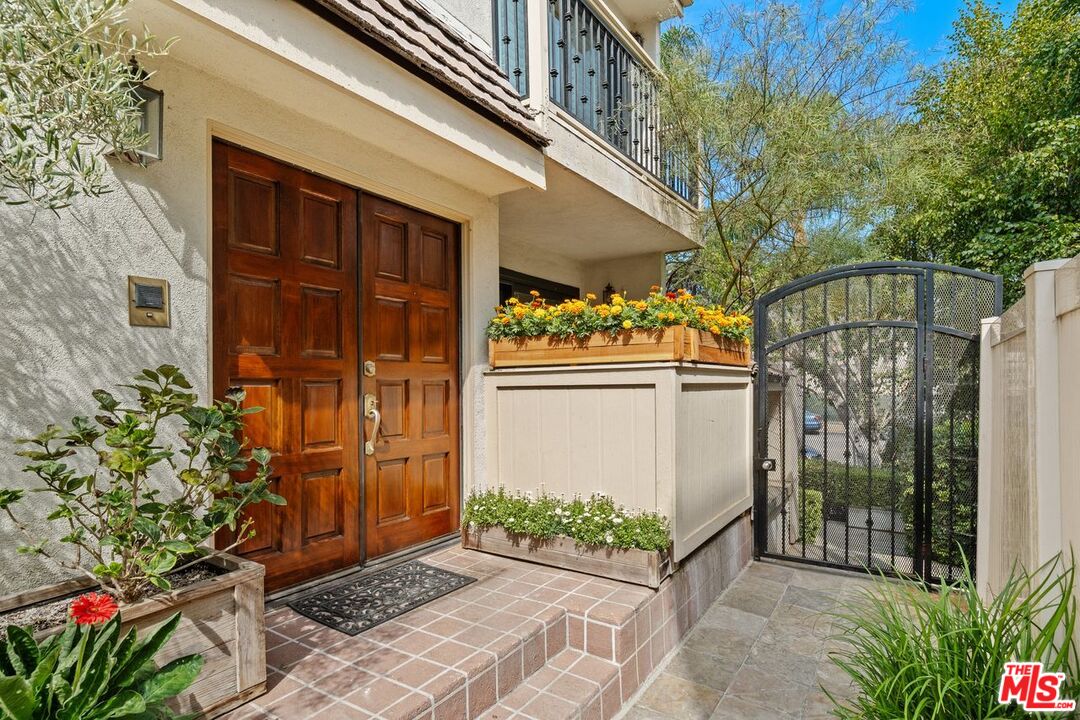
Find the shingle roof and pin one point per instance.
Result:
(413, 37)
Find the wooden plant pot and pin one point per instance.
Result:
(676, 343)
(640, 567)
(221, 619)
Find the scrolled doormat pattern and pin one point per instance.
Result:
(358, 604)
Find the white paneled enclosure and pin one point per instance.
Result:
(674, 437)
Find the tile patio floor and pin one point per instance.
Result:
(758, 653)
(461, 655)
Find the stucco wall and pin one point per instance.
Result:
(63, 278)
(634, 274)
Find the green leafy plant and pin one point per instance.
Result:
(595, 521)
(915, 653)
(66, 96)
(106, 476)
(91, 672)
(810, 517)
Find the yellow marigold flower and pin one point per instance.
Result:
(540, 313)
(590, 296)
(512, 301)
(534, 293)
(506, 321)
(616, 309)
(627, 324)
(714, 329)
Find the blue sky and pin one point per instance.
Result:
(925, 28)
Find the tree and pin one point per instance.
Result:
(1004, 190)
(790, 117)
(66, 97)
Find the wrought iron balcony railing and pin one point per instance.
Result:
(595, 78)
(511, 33)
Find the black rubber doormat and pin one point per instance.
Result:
(353, 606)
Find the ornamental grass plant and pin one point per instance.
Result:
(582, 319)
(913, 653)
(595, 521)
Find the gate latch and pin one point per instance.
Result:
(768, 464)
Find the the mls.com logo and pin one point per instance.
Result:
(1031, 688)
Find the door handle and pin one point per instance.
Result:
(371, 410)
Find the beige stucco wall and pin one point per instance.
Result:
(635, 274)
(63, 285)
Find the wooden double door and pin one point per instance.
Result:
(334, 308)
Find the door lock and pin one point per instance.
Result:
(768, 464)
(369, 368)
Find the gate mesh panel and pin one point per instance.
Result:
(842, 420)
(953, 468)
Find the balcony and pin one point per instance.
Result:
(597, 80)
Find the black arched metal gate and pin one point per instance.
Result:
(866, 415)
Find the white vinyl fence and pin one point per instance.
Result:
(1029, 431)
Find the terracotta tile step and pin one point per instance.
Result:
(572, 686)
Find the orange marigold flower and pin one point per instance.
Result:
(590, 296)
(93, 608)
(654, 288)
(535, 293)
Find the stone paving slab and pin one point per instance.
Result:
(759, 652)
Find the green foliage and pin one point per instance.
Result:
(923, 655)
(595, 521)
(65, 96)
(90, 672)
(1003, 188)
(854, 487)
(100, 473)
(789, 115)
(810, 514)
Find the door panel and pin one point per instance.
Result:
(410, 320)
(285, 329)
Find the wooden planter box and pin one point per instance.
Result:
(673, 343)
(221, 619)
(640, 567)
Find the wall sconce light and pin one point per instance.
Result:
(609, 291)
(152, 122)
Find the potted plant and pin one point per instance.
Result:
(590, 535)
(671, 326)
(89, 671)
(137, 515)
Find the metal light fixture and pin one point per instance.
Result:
(151, 123)
(609, 292)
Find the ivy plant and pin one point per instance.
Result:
(135, 508)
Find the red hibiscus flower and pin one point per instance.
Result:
(93, 608)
